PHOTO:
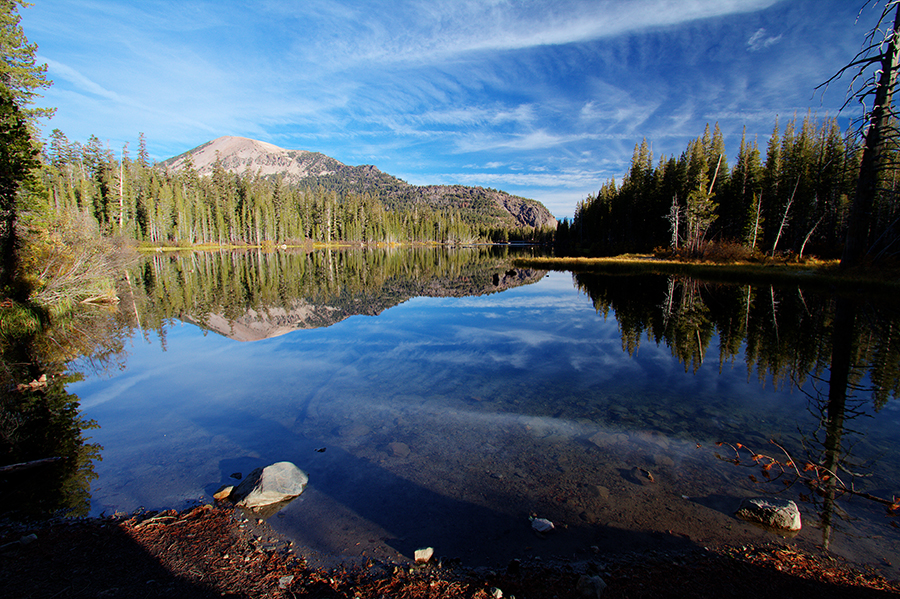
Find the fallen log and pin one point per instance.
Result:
(27, 465)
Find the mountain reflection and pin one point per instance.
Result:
(46, 459)
(255, 295)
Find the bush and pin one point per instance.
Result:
(67, 261)
(709, 251)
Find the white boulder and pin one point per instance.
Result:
(780, 514)
(273, 484)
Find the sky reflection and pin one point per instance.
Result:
(522, 395)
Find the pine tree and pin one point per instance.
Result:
(18, 160)
(20, 74)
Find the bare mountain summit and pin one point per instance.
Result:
(241, 155)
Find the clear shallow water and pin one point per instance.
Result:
(447, 421)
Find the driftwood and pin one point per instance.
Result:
(27, 465)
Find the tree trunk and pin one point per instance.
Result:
(874, 155)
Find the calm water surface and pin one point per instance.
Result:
(476, 396)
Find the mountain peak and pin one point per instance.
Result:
(242, 154)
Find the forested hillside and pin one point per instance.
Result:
(793, 198)
(132, 198)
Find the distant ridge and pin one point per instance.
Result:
(242, 155)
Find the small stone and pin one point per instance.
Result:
(663, 460)
(541, 525)
(514, 567)
(28, 539)
(590, 587)
(424, 555)
(285, 581)
(601, 439)
(223, 493)
(598, 491)
(496, 593)
(642, 476)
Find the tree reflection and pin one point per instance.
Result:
(788, 336)
(46, 457)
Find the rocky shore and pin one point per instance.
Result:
(219, 551)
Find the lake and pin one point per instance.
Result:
(443, 397)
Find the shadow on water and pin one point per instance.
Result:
(354, 507)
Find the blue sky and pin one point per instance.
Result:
(544, 99)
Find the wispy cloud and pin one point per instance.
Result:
(79, 81)
(416, 31)
(548, 96)
(761, 40)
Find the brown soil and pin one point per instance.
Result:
(210, 551)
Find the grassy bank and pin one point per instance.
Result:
(811, 273)
(305, 246)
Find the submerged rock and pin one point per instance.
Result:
(590, 587)
(780, 514)
(400, 450)
(277, 483)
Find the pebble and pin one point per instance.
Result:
(541, 525)
(598, 491)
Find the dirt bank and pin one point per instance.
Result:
(212, 551)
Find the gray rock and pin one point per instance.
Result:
(273, 484)
(590, 587)
(780, 514)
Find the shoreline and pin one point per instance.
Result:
(214, 551)
(811, 273)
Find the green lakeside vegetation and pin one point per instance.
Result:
(795, 201)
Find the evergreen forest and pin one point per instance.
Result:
(794, 199)
(134, 199)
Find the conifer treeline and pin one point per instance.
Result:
(134, 199)
(795, 200)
